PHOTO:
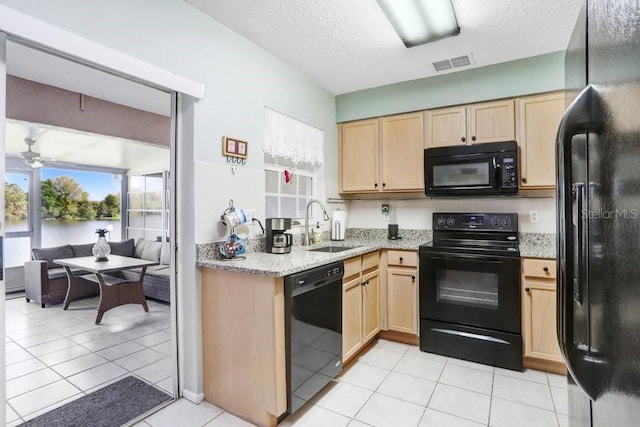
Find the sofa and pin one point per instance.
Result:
(47, 282)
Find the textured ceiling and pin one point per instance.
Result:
(349, 45)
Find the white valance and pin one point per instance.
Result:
(289, 138)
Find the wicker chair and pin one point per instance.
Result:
(47, 283)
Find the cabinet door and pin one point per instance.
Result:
(446, 126)
(402, 300)
(351, 317)
(402, 153)
(359, 156)
(538, 122)
(492, 122)
(539, 323)
(371, 304)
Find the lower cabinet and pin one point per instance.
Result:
(352, 338)
(402, 292)
(539, 334)
(360, 303)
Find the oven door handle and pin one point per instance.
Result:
(472, 258)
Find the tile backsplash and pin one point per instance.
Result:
(417, 214)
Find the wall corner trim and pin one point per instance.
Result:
(196, 398)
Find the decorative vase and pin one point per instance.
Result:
(101, 249)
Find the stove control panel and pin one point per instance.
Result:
(481, 221)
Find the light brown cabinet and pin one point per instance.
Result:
(402, 292)
(471, 124)
(360, 303)
(358, 157)
(402, 146)
(541, 349)
(382, 155)
(538, 121)
(243, 343)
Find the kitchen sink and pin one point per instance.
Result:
(333, 249)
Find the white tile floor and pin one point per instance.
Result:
(54, 356)
(397, 385)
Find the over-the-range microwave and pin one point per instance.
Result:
(472, 170)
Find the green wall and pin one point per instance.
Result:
(536, 74)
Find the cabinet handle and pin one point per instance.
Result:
(527, 290)
(545, 269)
(365, 283)
(400, 260)
(524, 180)
(473, 138)
(463, 139)
(413, 278)
(375, 185)
(384, 184)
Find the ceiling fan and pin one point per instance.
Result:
(30, 157)
(35, 160)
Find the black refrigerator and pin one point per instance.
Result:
(598, 197)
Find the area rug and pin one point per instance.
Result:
(113, 405)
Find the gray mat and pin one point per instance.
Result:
(113, 405)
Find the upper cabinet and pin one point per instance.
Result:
(471, 124)
(538, 120)
(402, 146)
(446, 126)
(382, 155)
(385, 155)
(358, 156)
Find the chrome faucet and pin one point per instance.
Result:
(306, 240)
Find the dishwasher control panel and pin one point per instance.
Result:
(316, 276)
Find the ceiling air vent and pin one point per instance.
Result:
(458, 61)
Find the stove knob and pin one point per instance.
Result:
(495, 222)
(506, 222)
(442, 221)
(451, 221)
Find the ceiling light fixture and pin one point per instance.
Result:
(421, 21)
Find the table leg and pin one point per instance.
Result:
(112, 296)
(70, 287)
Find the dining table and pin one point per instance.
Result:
(115, 289)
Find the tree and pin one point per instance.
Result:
(112, 205)
(16, 202)
(61, 197)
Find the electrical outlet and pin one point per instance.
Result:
(385, 211)
(534, 216)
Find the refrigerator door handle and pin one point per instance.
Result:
(581, 117)
(579, 230)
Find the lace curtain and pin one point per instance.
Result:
(289, 138)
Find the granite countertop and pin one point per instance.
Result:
(301, 258)
(257, 261)
(538, 245)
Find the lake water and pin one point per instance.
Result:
(56, 233)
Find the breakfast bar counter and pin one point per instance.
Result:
(301, 257)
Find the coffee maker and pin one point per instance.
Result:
(278, 242)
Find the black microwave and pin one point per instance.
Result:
(472, 170)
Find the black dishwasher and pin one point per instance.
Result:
(313, 324)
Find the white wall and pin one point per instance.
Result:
(417, 214)
(240, 80)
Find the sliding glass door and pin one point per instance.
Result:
(20, 213)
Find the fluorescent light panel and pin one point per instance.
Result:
(421, 21)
